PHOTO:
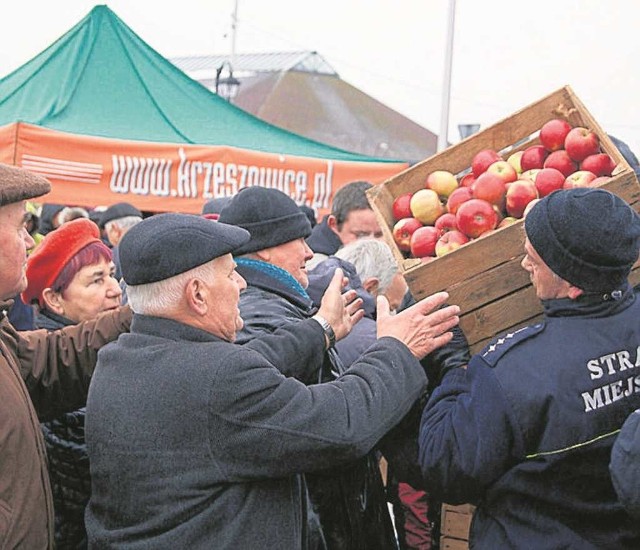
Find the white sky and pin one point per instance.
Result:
(507, 53)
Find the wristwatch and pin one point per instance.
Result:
(328, 331)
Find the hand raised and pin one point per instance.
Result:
(341, 310)
(423, 327)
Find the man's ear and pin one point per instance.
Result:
(371, 285)
(52, 301)
(263, 255)
(197, 296)
(332, 222)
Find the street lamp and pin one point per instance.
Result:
(467, 130)
(227, 87)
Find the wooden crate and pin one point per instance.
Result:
(454, 526)
(484, 277)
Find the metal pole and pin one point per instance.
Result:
(234, 26)
(443, 136)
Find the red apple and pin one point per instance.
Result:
(423, 241)
(514, 160)
(442, 182)
(533, 157)
(600, 164)
(581, 142)
(519, 194)
(476, 216)
(581, 178)
(489, 187)
(560, 160)
(460, 195)
(401, 206)
(482, 160)
(553, 134)
(402, 231)
(450, 241)
(467, 180)
(548, 180)
(426, 206)
(503, 169)
(446, 222)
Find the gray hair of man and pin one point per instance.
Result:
(163, 297)
(371, 258)
(123, 223)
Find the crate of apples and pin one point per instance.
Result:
(450, 211)
(454, 220)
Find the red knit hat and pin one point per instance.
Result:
(54, 252)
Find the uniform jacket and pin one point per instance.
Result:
(625, 465)
(526, 432)
(68, 461)
(199, 446)
(349, 500)
(42, 375)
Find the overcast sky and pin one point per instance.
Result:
(506, 54)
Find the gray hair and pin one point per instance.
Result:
(123, 223)
(69, 213)
(371, 258)
(164, 296)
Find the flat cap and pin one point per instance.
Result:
(117, 211)
(166, 245)
(18, 184)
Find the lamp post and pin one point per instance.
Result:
(226, 87)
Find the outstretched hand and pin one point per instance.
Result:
(423, 327)
(342, 310)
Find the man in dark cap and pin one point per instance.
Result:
(526, 431)
(42, 375)
(202, 445)
(116, 221)
(212, 208)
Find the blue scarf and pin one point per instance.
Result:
(276, 273)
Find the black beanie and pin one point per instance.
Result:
(270, 216)
(589, 237)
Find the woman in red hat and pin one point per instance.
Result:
(71, 280)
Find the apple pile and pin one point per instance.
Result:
(449, 211)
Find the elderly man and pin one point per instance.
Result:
(42, 374)
(201, 447)
(116, 221)
(526, 431)
(351, 218)
(273, 262)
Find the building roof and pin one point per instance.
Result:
(302, 93)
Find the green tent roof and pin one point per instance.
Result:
(101, 79)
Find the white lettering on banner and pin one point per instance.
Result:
(140, 175)
(207, 180)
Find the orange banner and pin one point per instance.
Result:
(160, 177)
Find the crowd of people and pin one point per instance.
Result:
(253, 378)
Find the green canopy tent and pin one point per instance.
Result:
(99, 111)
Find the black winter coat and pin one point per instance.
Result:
(350, 501)
(68, 462)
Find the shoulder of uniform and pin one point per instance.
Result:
(506, 342)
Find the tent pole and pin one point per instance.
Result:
(443, 135)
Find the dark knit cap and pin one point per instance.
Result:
(215, 206)
(117, 211)
(166, 245)
(270, 216)
(18, 184)
(589, 237)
